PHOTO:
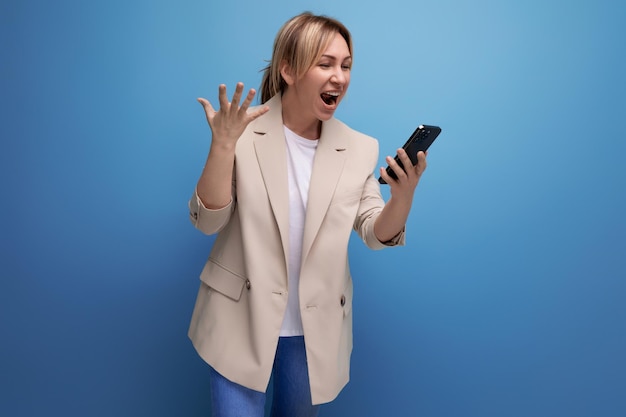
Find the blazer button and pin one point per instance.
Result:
(343, 300)
(248, 284)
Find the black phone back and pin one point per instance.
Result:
(420, 140)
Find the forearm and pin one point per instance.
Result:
(215, 183)
(392, 218)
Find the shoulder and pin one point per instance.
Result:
(349, 132)
(269, 121)
(349, 138)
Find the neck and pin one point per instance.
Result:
(298, 122)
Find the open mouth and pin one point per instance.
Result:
(330, 98)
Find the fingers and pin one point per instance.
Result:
(404, 158)
(226, 105)
(259, 112)
(421, 162)
(383, 174)
(223, 97)
(246, 103)
(237, 95)
(231, 119)
(410, 171)
(396, 168)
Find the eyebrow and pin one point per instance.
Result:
(334, 57)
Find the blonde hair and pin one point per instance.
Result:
(300, 43)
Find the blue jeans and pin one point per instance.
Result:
(290, 379)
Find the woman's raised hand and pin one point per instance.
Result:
(228, 123)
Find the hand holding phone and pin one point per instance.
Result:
(420, 140)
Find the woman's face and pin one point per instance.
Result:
(320, 90)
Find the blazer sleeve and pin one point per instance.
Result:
(206, 220)
(371, 205)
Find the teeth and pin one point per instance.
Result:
(330, 97)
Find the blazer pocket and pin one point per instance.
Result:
(223, 280)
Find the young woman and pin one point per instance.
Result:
(284, 185)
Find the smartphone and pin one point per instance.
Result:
(420, 140)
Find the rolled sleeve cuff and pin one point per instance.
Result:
(397, 240)
(207, 220)
(373, 243)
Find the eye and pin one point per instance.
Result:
(324, 65)
(346, 67)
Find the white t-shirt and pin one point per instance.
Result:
(300, 154)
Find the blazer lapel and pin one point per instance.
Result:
(270, 148)
(328, 165)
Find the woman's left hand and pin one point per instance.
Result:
(393, 218)
(404, 186)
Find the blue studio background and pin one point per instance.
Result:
(508, 299)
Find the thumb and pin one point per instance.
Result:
(206, 105)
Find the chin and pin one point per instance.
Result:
(326, 114)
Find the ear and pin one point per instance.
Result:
(287, 73)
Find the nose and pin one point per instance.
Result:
(339, 77)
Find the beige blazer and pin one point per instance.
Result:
(243, 293)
